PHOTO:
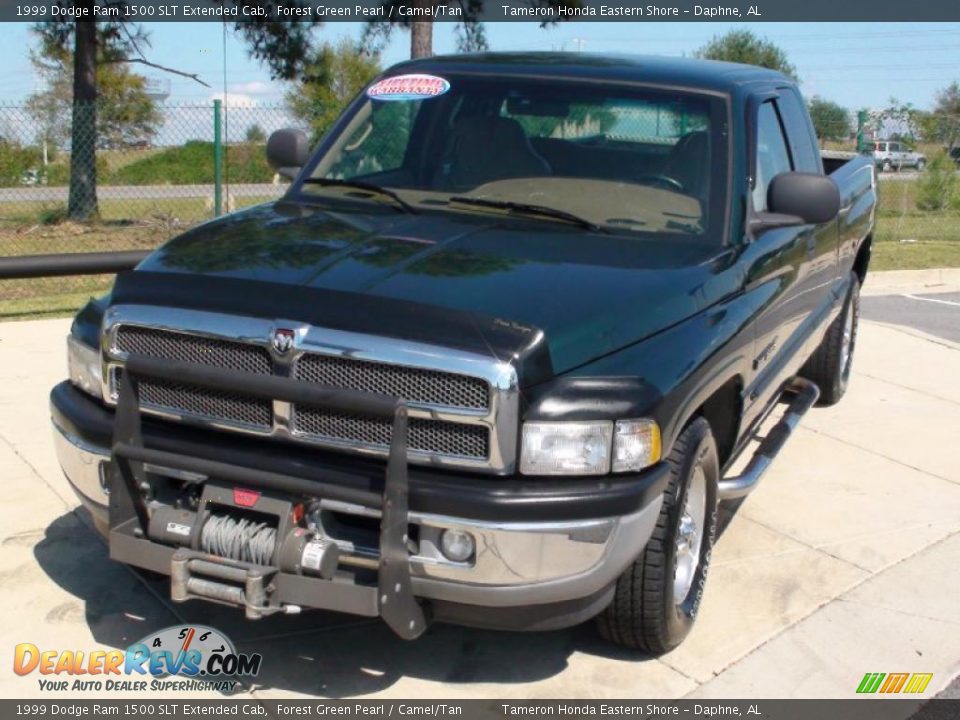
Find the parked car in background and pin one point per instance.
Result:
(893, 155)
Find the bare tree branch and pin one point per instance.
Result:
(144, 61)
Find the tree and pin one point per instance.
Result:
(742, 46)
(943, 124)
(126, 114)
(255, 134)
(830, 120)
(336, 75)
(937, 185)
(470, 33)
(283, 46)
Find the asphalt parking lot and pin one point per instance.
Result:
(937, 314)
(845, 560)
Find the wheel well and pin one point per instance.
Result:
(723, 410)
(862, 261)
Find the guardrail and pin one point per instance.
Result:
(68, 264)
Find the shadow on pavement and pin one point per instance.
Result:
(315, 653)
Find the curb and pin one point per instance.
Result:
(900, 279)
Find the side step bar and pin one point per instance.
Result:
(806, 394)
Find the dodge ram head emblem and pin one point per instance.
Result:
(282, 340)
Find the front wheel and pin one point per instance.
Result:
(658, 595)
(829, 366)
(921, 164)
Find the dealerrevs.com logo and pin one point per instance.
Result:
(192, 657)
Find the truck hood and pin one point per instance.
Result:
(588, 293)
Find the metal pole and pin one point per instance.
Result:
(861, 122)
(64, 264)
(217, 159)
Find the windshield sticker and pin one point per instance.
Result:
(408, 87)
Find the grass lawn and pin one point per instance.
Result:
(910, 239)
(915, 256)
(125, 225)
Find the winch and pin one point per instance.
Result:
(268, 537)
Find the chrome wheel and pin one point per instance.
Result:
(689, 540)
(846, 345)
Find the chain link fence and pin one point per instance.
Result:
(156, 174)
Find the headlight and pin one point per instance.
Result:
(589, 448)
(83, 364)
(566, 448)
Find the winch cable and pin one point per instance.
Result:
(243, 539)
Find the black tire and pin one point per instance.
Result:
(921, 164)
(829, 366)
(644, 614)
(886, 166)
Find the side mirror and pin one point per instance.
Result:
(287, 151)
(813, 198)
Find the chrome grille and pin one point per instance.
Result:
(463, 406)
(429, 387)
(429, 436)
(203, 403)
(215, 352)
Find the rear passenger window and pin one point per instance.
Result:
(773, 157)
(803, 142)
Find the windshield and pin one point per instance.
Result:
(617, 157)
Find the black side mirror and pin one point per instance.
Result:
(288, 151)
(798, 198)
(813, 198)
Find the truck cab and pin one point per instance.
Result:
(490, 358)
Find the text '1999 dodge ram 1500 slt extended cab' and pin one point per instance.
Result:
(490, 358)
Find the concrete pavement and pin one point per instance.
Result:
(845, 560)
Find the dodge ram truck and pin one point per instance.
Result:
(491, 359)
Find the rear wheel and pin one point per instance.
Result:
(921, 164)
(658, 595)
(887, 166)
(829, 366)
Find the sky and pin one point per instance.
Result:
(859, 65)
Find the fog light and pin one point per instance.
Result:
(456, 545)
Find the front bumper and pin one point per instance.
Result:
(550, 558)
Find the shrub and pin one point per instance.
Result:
(58, 173)
(937, 185)
(192, 164)
(15, 160)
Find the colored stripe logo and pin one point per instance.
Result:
(888, 683)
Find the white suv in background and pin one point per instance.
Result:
(893, 155)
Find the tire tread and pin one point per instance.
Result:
(642, 625)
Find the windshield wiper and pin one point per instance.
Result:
(365, 186)
(530, 209)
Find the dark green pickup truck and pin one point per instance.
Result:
(489, 359)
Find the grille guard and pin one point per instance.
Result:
(394, 600)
